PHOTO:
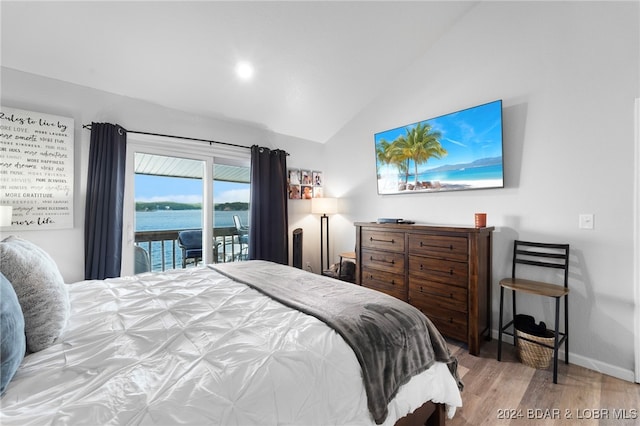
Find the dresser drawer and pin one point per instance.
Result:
(446, 296)
(382, 240)
(444, 271)
(441, 246)
(386, 282)
(383, 260)
(450, 323)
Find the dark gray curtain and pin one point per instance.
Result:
(105, 197)
(268, 233)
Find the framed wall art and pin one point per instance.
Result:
(305, 184)
(36, 169)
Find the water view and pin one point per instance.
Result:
(162, 220)
(168, 196)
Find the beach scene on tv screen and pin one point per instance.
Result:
(457, 151)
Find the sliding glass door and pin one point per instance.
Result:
(175, 202)
(168, 212)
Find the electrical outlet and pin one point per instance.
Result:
(585, 221)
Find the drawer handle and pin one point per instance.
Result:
(422, 291)
(393, 282)
(450, 247)
(450, 271)
(382, 241)
(421, 266)
(392, 262)
(450, 320)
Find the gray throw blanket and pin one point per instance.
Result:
(391, 339)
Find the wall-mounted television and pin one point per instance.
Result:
(453, 152)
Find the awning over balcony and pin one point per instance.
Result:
(159, 165)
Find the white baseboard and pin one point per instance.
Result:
(582, 361)
(601, 367)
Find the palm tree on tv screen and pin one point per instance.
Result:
(419, 145)
(387, 154)
(383, 152)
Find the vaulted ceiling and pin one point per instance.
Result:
(316, 64)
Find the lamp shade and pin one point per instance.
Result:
(6, 213)
(324, 205)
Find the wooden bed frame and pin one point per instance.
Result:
(428, 414)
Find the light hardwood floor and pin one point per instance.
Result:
(511, 393)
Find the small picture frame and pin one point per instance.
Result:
(307, 192)
(317, 178)
(295, 192)
(307, 178)
(294, 177)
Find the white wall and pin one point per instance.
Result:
(84, 105)
(568, 78)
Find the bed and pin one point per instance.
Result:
(208, 345)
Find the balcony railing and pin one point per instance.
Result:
(165, 253)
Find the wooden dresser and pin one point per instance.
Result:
(443, 271)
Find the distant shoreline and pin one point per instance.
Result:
(152, 206)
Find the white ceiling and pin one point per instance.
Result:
(317, 63)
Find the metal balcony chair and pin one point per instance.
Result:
(543, 255)
(190, 241)
(243, 236)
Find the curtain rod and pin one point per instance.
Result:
(88, 126)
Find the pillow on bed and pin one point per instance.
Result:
(40, 288)
(12, 340)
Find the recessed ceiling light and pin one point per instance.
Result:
(244, 70)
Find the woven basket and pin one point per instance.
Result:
(533, 355)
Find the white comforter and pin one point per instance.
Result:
(194, 347)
